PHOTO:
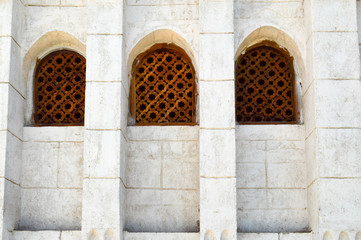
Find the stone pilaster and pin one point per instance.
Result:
(332, 117)
(12, 95)
(217, 121)
(105, 121)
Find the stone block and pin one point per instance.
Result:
(337, 103)
(102, 203)
(286, 175)
(250, 151)
(107, 17)
(187, 151)
(257, 236)
(102, 105)
(15, 77)
(16, 112)
(160, 236)
(330, 16)
(6, 16)
(216, 16)
(70, 165)
(102, 153)
(285, 151)
(172, 133)
(73, 3)
(270, 132)
(336, 55)
(218, 204)
(54, 134)
(217, 153)
(216, 95)
(179, 174)
(40, 164)
(309, 107)
(3, 148)
(180, 197)
(144, 173)
(268, 10)
(337, 152)
(339, 204)
(11, 211)
(42, 2)
(4, 95)
(311, 162)
(295, 236)
(251, 175)
(36, 235)
(143, 197)
(70, 235)
(251, 198)
(287, 198)
(46, 209)
(217, 64)
(13, 157)
(272, 220)
(104, 57)
(144, 150)
(72, 20)
(162, 218)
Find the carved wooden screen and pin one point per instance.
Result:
(163, 87)
(59, 89)
(265, 86)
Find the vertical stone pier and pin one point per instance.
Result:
(12, 98)
(217, 121)
(332, 117)
(103, 186)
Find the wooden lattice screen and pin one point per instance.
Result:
(163, 87)
(59, 89)
(265, 86)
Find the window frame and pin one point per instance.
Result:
(290, 59)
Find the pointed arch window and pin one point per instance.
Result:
(59, 89)
(163, 87)
(265, 86)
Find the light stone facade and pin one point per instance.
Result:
(111, 180)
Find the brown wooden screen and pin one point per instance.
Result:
(265, 86)
(59, 89)
(163, 87)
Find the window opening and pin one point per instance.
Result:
(163, 87)
(265, 86)
(59, 89)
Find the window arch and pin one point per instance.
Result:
(59, 89)
(163, 87)
(265, 85)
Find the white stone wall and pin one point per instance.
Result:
(51, 179)
(271, 178)
(162, 179)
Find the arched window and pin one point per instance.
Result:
(59, 89)
(163, 87)
(265, 86)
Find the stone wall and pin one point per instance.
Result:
(162, 179)
(114, 180)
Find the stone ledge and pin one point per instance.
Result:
(274, 236)
(54, 134)
(160, 236)
(46, 235)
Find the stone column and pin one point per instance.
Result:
(12, 95)
(333, 116)
(105, 121)
(217, 121)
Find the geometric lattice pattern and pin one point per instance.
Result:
(164, 88)
(59, 89)
(265, 87)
